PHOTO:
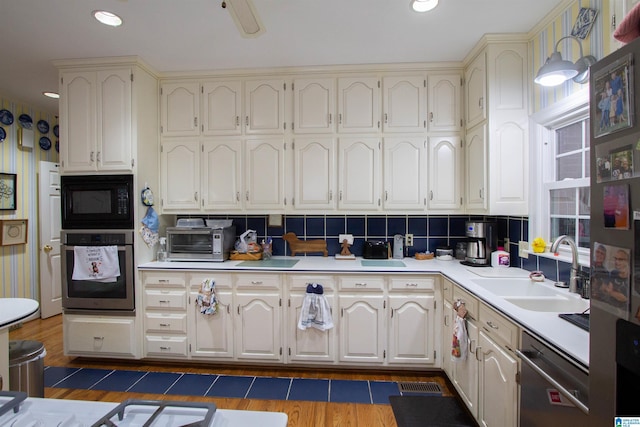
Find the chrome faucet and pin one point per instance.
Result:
(575, 268)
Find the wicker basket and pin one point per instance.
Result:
(245, 256)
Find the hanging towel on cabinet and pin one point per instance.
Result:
(460, 342)
(206, 298)
(316, 312)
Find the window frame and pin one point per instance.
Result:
(572, 109)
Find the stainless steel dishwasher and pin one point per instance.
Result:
(553, 389)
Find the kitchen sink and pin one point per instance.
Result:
(516, 287)
(550, 304)
(382, 263)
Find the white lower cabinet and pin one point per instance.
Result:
(100, 336)
(211, 335)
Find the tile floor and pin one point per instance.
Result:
(170, 383)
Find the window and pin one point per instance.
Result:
(560, 194)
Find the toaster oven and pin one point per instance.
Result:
(200, 243)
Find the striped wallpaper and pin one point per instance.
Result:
(557, 25)
(19, 263)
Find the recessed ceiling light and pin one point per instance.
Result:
(53, 95)
(423, 5)
(107, 18)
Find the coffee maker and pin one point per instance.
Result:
(482, 239)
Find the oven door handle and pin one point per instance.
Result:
(566, 393)
(67, 247)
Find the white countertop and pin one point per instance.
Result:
(13, 310)
(561, 334)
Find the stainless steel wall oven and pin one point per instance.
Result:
(84, 294)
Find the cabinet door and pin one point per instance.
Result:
(211, 335)
(311, 344)
(264, 106)
(78, 121)
(314, 105)
(498, 396)
(444, 98)
(221, 108)
(465, 372)
(221, 177)
(476, 90)
(180, 109)
(362, 328)
(358, 104)
(447, 336)
(445, 173)
(405, 175)
(180, 172)
(314, 173)
(258, 326)
(114, 150)
(99, 336)
(412, 329)
(264, 174)
(404, 103)
(359, 173)
(476, 166)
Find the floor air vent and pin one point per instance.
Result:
(428, 388)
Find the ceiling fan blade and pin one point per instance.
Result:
(246, 18)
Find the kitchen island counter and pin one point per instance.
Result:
(569, 339)
(12, 310)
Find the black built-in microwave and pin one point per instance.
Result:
(93, 202)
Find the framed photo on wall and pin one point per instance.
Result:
(613, 96)
(8, 191)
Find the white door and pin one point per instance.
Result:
(405, 176)
(359, 173)
(49, 219)
(314, 105)
(445, 173)
(359, 104)
(361, 328)
(314, 166)
(404, 103)
(221, 177)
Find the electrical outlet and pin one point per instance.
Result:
(507, 242)
(408, 240)
(523, 249)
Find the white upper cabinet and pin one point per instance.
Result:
(314, 173)
(180, 175)
(180, 109)
(264, 106)
(314, 105)
(476, 91)
(405, 173)
(358, 104)
(359, 173)
(96, 120)
(404, 103)
(445, 173)
(444, 95)
(221, 108)
(264, 173)
(221, 175)
(476, 167)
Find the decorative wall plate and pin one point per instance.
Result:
(45, 143)
(55, 131)
(6, 117)
(3, 134)
(25, 121)
(43, 126)
(57, 146)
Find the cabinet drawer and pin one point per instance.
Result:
(499, 327)
(412, 283)
(166, 346)
(114, 337)
(165, 300)
(471, 302)
(255, 281)
(447, 290)
(157, 322)
(161, 279)
(362, 283)
(221, 280)
(300, 282)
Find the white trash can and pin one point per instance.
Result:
(26, 367)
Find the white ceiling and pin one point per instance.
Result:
(189, 35)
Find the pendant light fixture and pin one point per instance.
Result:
(556, 70)
(423, 5)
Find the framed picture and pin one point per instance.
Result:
(612, 94)
(611, 278)
(8, 191)
(584, 22)
(13, 232)
(615, 206)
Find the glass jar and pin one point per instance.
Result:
(461, 250)
(162, 249)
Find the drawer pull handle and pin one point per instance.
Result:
(256, 282)
(446, 320)
(413, 285)
(491, 325)
(165, 324)
(361, 284)
(163, 280)
(163, 301)
(98, 338)
(478, 353)
(165, 348)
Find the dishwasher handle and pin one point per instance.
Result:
(566, 393)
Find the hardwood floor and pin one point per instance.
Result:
(49, 332)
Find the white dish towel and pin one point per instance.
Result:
(460, 344)
(97, 263)
(316, 312)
